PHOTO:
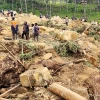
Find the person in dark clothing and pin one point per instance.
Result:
(25, 31)
(40, 15)
(36, 31)
(14, 28)
(11, 13)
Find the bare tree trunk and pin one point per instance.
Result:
(50, 8)
(32, 4)
(75, 6)
(65, 93)
(12, 5)
(67, 6)
(60, 5)
(46, 7)
(21, 4)
(26, 6)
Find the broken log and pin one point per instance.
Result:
(13, 56)
(5, 93)
(64, 92)
(75, 61)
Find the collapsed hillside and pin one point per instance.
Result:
(70, 53)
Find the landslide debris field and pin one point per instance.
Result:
(64, 55)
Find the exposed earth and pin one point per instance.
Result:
(71, 54)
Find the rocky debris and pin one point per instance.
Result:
(47, 56)
(37, 77)
(73, 64)
(3, 20)
(66, 35)
(1, 29)
(50, 64)
(9, 72)
(93, 84)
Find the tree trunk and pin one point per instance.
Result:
(64, 92)
(26, 6)
(21, 4)
(67, 6)
(12, 5)
(50, 8)
(46, 7)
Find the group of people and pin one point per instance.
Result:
(83, 19)
(25, 33)
(10, 12)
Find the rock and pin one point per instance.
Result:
(37, 60)
(94, 84)
(82, 77)
(35, 77)
(50, 64)
(40, 45)
(90, 70)
(58, 60)
(47, 56)
(26, 77)
(81, 90)
(20, 90)
(3, 20)
(43, 29)
(23, 96)
(92, 59)
(35, 66)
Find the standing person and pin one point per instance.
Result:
(40, 15)
(11, 12)
(66, 20)
(3, 12)
(14, 13)
(36, 31)
(8, 13)
(33, 30)
(14, 28)
(20, 11)
(25, 31)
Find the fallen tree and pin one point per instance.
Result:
(64, 92)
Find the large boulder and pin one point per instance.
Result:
(37, 77)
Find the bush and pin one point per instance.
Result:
(68, 48)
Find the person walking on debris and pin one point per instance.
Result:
(25, 31)
(66, 20)
(36, 31)
(14, 28)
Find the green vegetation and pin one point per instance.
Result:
(57, 8)
(68, 48)
(31, 49)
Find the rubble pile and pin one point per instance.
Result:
(63, 65)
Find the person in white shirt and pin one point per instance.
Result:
(33, 29)
(14, 13)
